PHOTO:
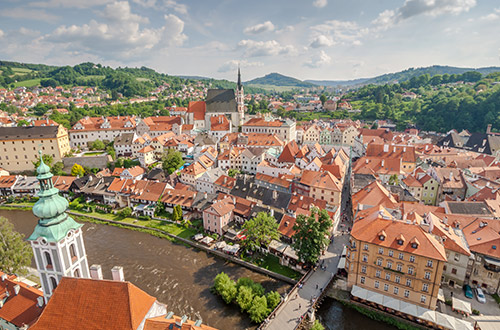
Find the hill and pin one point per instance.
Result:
(405, 75)
(276, 79)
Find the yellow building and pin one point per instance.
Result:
(395, 258)
(19, 146)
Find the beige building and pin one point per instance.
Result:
(284, 129)
(395, 258)
(19, 146)
(89, 129)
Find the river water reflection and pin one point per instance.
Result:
(180, 276)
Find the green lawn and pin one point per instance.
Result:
(21, 70)
(142, 79)
(93, 153)
(272, 263)
(27, 83)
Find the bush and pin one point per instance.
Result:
(225, 287)
(475, 312)
(317, 326)
(124, 213)
(448, 302)
(144, 217)
(258, 311)
(273, 299)
(245, 298)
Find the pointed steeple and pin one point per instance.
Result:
(239, 78)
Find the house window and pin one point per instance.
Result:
(412, 258)
(422, 299)
(397, 279)
(53, 282)
(362, 280)
(377, 273)
(429, 263)
(389, 264)
(410, 270)
(377, 284)
(396, 290)
(379, 262)
(386, 287)
(76, 273)
(387, 276)
(381, 251)
(454, 271)
(72, 252)
(365, 247)
(457, 257)
(407, 293)
(425, 287)
(401, 256)
(365, 258)
(427, 275)
(391, 253)
(363, 269)
(399, 267)
(408, 282)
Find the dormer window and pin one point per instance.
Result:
(400, 242)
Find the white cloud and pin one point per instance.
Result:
(121, 35)
(31, 14)
(265, 48)
(180, 8)
(288, 28)
(492, 16)
(260, 28)
(145, 3)
(1, 33)
(319, 60)
(232, 65)
(320, 3)
(69, 3)
(322, 41)
(337, 32)
(412, 8)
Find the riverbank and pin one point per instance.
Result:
(170, 231)
(343, 297)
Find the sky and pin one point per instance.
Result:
(306, 39)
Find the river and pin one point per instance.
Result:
(180, 276)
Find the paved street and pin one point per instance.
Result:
(299, 300)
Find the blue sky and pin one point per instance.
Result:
(308, 39)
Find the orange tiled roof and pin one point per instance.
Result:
(367, 230)
(79, 303)
(178, 197)
(406, 153)
(322, 179)
(483, 237)
(146, 149)
(63, 182)
(262, 122)
(162, 323)
(219, 123)
(374, 194)
(225, 182)
(19, 309)
(7, 181)
(222, 207)
(286, 226)
(94, 123)
(198, 108)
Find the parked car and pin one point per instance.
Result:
(468, 291)
(480, 296)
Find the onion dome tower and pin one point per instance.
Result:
(57, 240)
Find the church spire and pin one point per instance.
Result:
(239, 78)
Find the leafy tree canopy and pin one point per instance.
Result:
(15, 253)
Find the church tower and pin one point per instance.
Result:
(240, 99)
(57, 240)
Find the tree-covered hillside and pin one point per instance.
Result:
(277, 79)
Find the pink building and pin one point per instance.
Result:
(218, 215)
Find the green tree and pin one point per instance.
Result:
(97, 145)
(160, 207)
(172, 160)
(57, 169)
(15, 253)
(77, 170)
(244, 298)
(125, 212)
(111, 151)
(260, 231)
(273, 299)
(225, 287)
(393, 180)
(258, 311)
(177, 213)
(22, 122)
(232, 172)
(322, 98)
(257, 288)
(317, 326)
(47, 159)
(310, 237)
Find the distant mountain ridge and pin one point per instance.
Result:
(405, 75)
(277, 79)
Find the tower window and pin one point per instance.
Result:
(76, 273)
(53, 282)
(72, 252)
(48, 260)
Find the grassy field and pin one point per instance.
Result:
(28, 83)
(94, 153)
(21, 70)
(141, 79)
(274, 88)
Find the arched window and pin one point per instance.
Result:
(72, 252)
(48, 260)
(53, 282)
(76, 273)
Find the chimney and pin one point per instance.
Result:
(117, 273)
(96, 272)
(4, 277)
(17, 288)
(488, 129)
(394, 149)
(301, 197)
(386, 148)
(383, 162)
(205, 195)
(39, 301)
(451, 175)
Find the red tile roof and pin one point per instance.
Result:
(95, 305)
(262, 122)
(198, 108)
(162, 323)
(19, 309)
(219, 123)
